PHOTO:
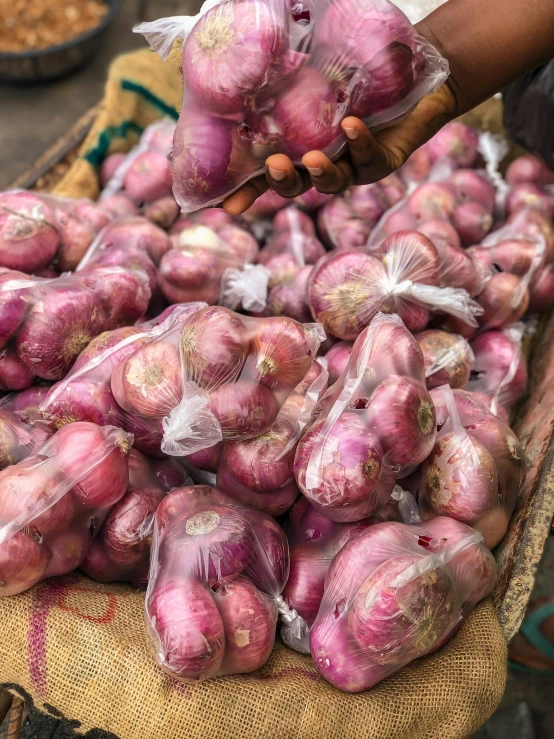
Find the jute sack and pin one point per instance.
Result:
(80, 649)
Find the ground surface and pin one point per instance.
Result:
(32, 119)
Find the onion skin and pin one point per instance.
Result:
(101, 344)
(437, 346)
(541, 289)
(243, 409)
(27, 402)
(215, 218)
(109, 166)
(249, 620)
(132, 259)
(286, 242)
(394, 351)
(504, 300)
(29, 237)
(411, 256)
(123, 294)
(13, 374)
(272, 502)
(312, 200)
(367, 202)
(494, 355)
(291, 220)
(147, 435)
(529, 195)
(75, 239)
(190, 276)
(23, 562)
(13, 307)
(338, 357)
(534, 226)
(431, 200)
(470, 185)
(417, 166)
(124, 534)
(163, 212)
(459, 269)
(473, 221)
(148, 177)
(269, 567)
(83, 399)
(119, 205)
(529, 168)
(282, 269)
(69, 548)
(242, 244)
(290, 298)
(515, 256)
(402, 416)
(441, 233)
(186, 627)
(90, 213)
(137, 233)
(455, 326)
(304, 588)
(457, 142)
(57, 329)
(308, 524)
(207, 459)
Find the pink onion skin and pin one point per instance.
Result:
(367, 202)
(416, 168)
(83, 399)
(138, 233)
(169, 474)
(29, 237)
(149, 381)
(89, 213)
(187, 629)
(14, 375)
(148, 177)
(436, 345)
(441, 233)
(102, 344)
(291, 220)
(23, 562)
(282, 268)
(124, 534)
(244, 409)
(285, 243)
(308, 524)
(98, 566)
(500, 412)
(541, 289)
(455, 326)
(470, 185)
(402, 416)
(69, 548)
(147, 435)
(242, 244)
(163, 212)
(268, 568)
(411, 256)
(529, 195)
(348, 486)
(13, 307)
(75, 239)
(392, 188)
(472, 221)
(337, 656)
(459, 269)
(207, 459)
(304, 588)
(389, 621)
(249, 620)
(312, 200)
(534, 226)
(27, 402)
(474, 568)
(26, 486)
(457, 142)
(101, 487)
(395, 351)
(515, 256)
(431, 200)
(494, 355)
(398, 220)
(459, 479)
(309, 97)
(119, 205)
(109, 166)
(272, 502)
(190, 276)
(503, 301)
(266, 206)
(124, 294)
(529, 168)
(215, 218)
(290, 298)
(280, 354)
(213, 344)
(338, 357)
(57, 329)
(133, 259)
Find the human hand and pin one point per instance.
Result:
(369, 157)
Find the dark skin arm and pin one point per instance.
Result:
(488, 44)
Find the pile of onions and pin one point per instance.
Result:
(457, 142)
(52, 503)
(217, 573)
(448, 358)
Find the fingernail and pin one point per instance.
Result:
(352, 133)
(276, 174)
(315, 171)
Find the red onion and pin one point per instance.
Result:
(243, 409)
(266, 206)
(402, 416)
(529, 168)
(312, 200)
(412, 256)
(170, 474)
(29, 237)
(109, 166)
(215, 218)
(501, 367)
(470, 185)
(447, 357)
(92, 214)
(290, 298)
(338, 357)
(417, 166)
(308, 248)
(213, 344)
(123, 293)
(242, 244)
(459, 269)
(457, 142)
(510, 255)
(69, 548)
(82, 399)
(304, 588)
(186, 627)
(23, 562)
(147, 435)
(14, 375)
(13, 306)
(541, 289)
(529, 195)
(27, 402)
(98, 464)
(291, 220)
(440, 232)
(163, 212)
(75, 239)
(431, 200)
(138, 233)
(393, 189)
(148, 178)
(472, 221)
(367, 202)
(190, 276)
(207, 459)
(100, 345)
(119, 205)
(397, 219)
(269, 567)
(133, 259)
(455, 326)
(57, 329)
(308, 524)
(272, 502)
(124, 534)
(504, 300)
(149, 381)
(249, 620)
(534, 226)
(394, 351)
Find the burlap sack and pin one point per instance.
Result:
(80, 648)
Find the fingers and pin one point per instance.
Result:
(244, 197)
(370, 159)
(326, 176)
(284, 178)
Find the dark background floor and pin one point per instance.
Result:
(31, 120)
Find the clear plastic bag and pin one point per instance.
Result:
(259, 472)
(45, 234)
(217, 571)
(121, 549)
(216, 375)
(53, 503)
(448, 358)
(18, 437)
(476, 469)
(282, 81)
(375, 424)
(347, 289)
(395, 593)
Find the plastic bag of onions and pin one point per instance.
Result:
(499, 373)
(448, 358)
(259, 472)
(394, 593)
(347, 289)
(216, 375)
(121, 550)
(277, 84)
(476, 468)
(86, 394)
(213, 595)
(53, 502)
(375, 424)
(18, 437)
